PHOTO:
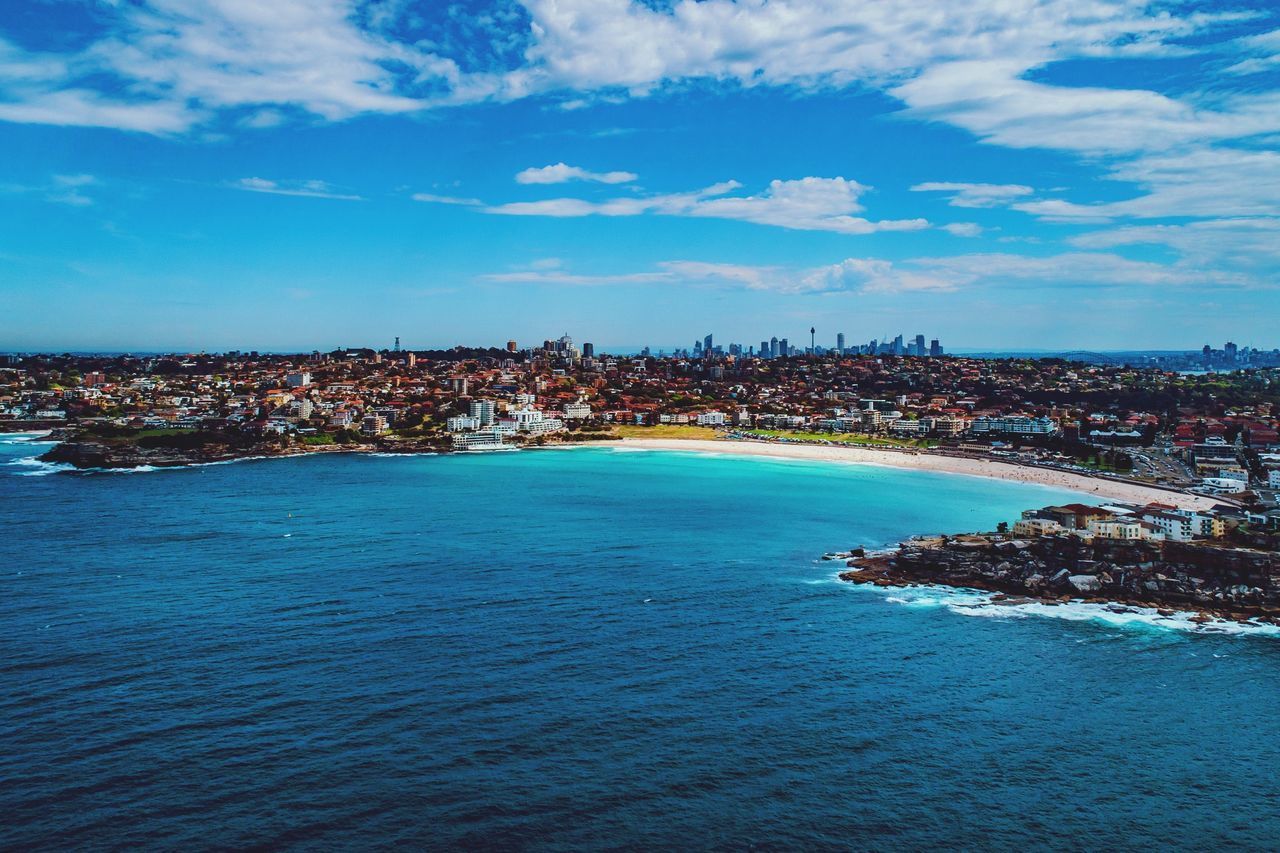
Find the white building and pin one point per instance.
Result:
(1032, 527)
(1014, 425)
(1117, 528)
(534, 422)
(577, 411)
(489, 439)
(462, 423)
(902, 426)
(297, 380)
(711, 419)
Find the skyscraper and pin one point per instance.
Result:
(706, 344)
(773, 347)
(784, 348)
(764, 349)
(935, 348)
(840, 343)
(588, 350)
(920, 350)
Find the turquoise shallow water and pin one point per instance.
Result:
(586, 648)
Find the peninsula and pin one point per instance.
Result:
(1156, 556)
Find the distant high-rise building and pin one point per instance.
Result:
(1230, 350)
(411, 360)
(920, 350)
(588, 350)
(397, 343)
(706, 344)
(840, 343)
(784, 348)
(773, 347)
(898, 348)
(935, 348)
(764, 349)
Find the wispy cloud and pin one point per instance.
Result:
(921, 274)
(964, 229)
(975, 195)
(561, 173)
(447, 199)
(304, 189)
(808, 204)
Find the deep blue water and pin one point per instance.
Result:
(586, 648)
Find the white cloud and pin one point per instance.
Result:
(667, 272)
(808, 204)
(923, 274)
(975, 195)
(166, 65)
(562, 173)
(305, 189)
(575, 279)
(1207, 244)
(1202, 182)
(964, 229)
(1266, 50)
(447, 199)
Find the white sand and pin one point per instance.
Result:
(1098, 487)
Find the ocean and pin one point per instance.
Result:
(588, 648)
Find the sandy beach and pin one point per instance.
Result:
(1098, 487)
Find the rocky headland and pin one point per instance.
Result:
(91, 454)
(1211, 580)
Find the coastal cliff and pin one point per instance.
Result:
(1226, 582)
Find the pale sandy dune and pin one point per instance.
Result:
(1098, 487)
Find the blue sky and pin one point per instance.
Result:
(213, 174)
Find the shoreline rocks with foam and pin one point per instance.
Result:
(1210, 581)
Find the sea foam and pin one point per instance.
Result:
(980, 604)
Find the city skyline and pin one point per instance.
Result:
(199, 176)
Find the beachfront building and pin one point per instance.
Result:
(712, 419)
(487, 439)
(1033, 527)
(533, 421)
(1118, 528)
(462, 423)
(1170, 525)
(1013, 425)
(577, 411)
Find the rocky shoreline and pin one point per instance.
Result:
(86, 453)
(1214, 582)
(92, 455)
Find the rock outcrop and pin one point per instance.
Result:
(1230, 582)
